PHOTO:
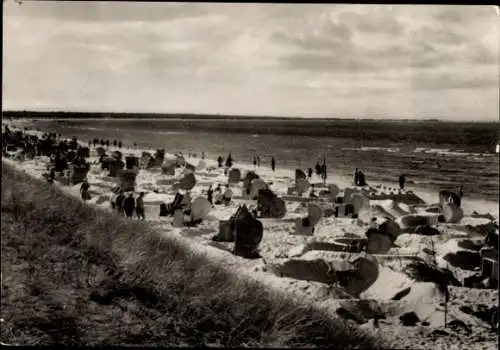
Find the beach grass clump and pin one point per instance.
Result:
(76, 275)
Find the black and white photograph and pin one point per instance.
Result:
(262, 175)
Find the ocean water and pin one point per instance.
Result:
(433, 155)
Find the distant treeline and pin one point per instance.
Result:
(97, 115)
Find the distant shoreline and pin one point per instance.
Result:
(145, 116)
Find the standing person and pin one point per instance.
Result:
(258, 161)
(226, 197)
(119, 202)
(229, 161)
(84, 190)
(135, 145)
(323, 173)
(139, 207)
(318, 168)
(402, 180)
(129, 205)
(107, 143)
(254, 161)
(115, 143)
(356, 177)
(273, 164)
(119, 144)
(461, 191)
(52, 176)
(202, 155)
(210, 194)
(309, 172)
(102, 142)
(219, 161)
(90, 143)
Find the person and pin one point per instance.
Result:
(202, 155)
(107, 143)
(102, 142)
(226, 198)
(318, 168)
(323, 173)
(119, 201)
(254, 161)
(52, 176)
(218, 195)
(402, 180)
(461, 191)
(129, 205)
(90, 143)
(210, 194)
(258, 161)
(119, 144)
(114, 143)
(219, 161)
(356, 177)
(229, 161)
(139, 207)
(135, 144)
(309, 172)
(84, 190)
(273, 164)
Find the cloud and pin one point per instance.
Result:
(293, 59)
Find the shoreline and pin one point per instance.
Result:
(288, 174)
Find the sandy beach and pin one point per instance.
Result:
(394, 293)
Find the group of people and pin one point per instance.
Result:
(127, 205)
(107, 143)
(217, 196)
(256, 162)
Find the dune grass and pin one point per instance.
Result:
(76, 275)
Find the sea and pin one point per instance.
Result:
(432, 154)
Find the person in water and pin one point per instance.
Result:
(129, 205)
(402, 180)
(84, 190)
(139, 207)
(229, 161)
(273, 164)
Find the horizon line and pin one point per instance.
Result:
(171, 115)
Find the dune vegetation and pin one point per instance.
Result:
(76, 275)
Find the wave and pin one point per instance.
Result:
(375, 149)
(449, 152)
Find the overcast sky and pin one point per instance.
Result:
(310, 60)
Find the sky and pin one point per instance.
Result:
(306, 60)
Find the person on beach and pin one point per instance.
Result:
(258, 161)
(135, 145)
(318, 168)
(119, 144)
(254, 161)
(52, 176)
(309, 172)
(219, 161)
(202, 155)
(273, 164)
(107, 143)
(210, 193)
(114, 143)
(129, 205)
(402, 180)
(356, 177)
(323, 173)
(361, 178)
(139, 207)
(119, 201)
(218, 195)
(312, 194)
(229, 161)
(84, 190)
(461, 191)
(90, 143)
(226, 197)
(102, 142)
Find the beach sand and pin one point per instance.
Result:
(279, 245)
